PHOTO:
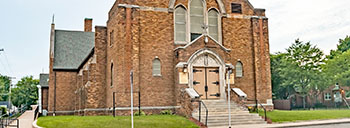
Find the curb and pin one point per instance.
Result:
(294, 124)
(312, 123)
(35, 125)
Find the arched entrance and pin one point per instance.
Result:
(206, 72)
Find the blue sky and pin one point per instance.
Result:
(25, 26)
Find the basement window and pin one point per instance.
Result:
(236, 8)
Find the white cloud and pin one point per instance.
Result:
(323, 22)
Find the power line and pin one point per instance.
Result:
(3, 65)
(8, 64)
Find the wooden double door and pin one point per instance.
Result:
(206, 82)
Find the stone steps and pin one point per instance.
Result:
(218, 114)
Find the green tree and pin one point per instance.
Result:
(338, 69)
(5, 83)
(343, 46)
(305, 66)
(278, 68)
(26, 92)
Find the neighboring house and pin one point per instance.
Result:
(43, 92)
(333, 96)
(170, 45)
(5, 104)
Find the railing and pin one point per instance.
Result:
(347, 104)
(257, 110)
(36, 112)
(200, 102)
(6, 120)
(114, 101)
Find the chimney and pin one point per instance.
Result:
(88, 25)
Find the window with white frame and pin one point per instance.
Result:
(156, 66)
(239, 69)
(213, 24)
(327, 96)
(196, 18)
(180, 24)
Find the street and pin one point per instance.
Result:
(343, 125)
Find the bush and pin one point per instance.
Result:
(3, 110)
(166, 112)
(137, 113)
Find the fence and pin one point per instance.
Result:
(6, 120)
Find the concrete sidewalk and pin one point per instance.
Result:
(294, 124)
(26, 119)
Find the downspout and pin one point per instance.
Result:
(54, 97)
(254, 67)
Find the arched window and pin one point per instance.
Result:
(180, 24)
(197, 18)
(156, 66)
(112, 73)
(213, 23)
(239, 69)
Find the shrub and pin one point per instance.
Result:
(3, 110)
(141, 113)
(166, 112)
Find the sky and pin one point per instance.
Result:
(25, 27)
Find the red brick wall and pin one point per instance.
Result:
(45, 97)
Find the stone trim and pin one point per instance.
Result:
(144, 8)
(184, 47)
(235, 16)
(171, 7)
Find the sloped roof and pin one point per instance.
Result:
(72, 48)
(44, 79)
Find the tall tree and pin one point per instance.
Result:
(343, 46)
(278, 68)
(305, 65)
(5, 83)
(338, 69)
(26, 92)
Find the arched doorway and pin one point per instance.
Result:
(206, 72)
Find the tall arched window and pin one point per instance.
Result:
(213, 23)
(156, 66)
(112, 73)
(180, 24)
(239, 69)
(197, 18)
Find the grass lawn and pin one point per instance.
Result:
(152, 121)
(299, 115)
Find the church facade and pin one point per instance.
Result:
(169, 45)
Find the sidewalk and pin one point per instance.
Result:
(294, 124)
(26, 119)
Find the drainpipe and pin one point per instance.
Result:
(254, 67)
(54, 98)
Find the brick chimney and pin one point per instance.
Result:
(88, 25)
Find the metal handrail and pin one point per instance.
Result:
(257, 110)
(200, 102)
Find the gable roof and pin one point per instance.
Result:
(72, 48)
(44, 80)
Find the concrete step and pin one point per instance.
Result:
(240, 116)
(233, 120)
(218, 113)
(216, 124)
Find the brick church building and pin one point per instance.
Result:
(170, 45)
